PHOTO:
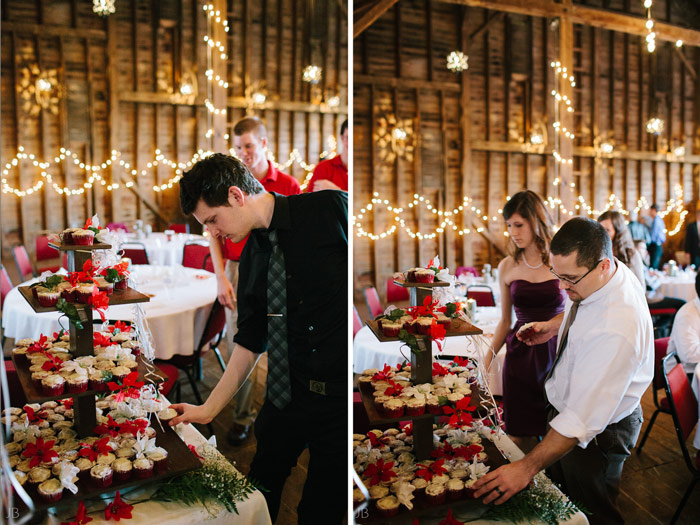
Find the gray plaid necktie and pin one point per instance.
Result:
(278, 387)
(564, 337)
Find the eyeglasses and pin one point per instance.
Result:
(574, 283)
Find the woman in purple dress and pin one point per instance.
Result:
(528, 287)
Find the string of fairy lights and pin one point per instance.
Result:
(48, 168)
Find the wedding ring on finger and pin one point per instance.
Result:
(500, 492)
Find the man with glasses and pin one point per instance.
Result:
(604, 363)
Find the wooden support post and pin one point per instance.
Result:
(220, 68)
(465, 127)
(566, 145)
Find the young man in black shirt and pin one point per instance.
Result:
(292, 303)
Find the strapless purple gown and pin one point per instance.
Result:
(526, 367)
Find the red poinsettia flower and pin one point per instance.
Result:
(130, 387)
(52, 364)
(81, 518)
(435, 469)
(111, 427)
(133, 427)
(99, 339)
(38, 346)
(120, 326)
(67, 402)
(101, 447)
(461, 361)
(450, 519)
(439, 370)
(467, 451)
(460, 415)
(437, 333)
(118, 510)
(57, 335)
(445, 451)
(41, 452)
(99, 302)
(407, 429)
(379, 471)
(394, 390)
(427, 309)
(385, 374)
(431, 265)
(373, 439)
(32, 415)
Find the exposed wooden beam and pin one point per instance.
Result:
(406, 83)
(590, 16)
(686, 63)
(498, 146)
(149, 97)
(367, 19)
(145, 199)
(52, 30)
(485, 26)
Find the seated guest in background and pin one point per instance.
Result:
(638, 230)
(685, 334)
(623, 247)
(692, 239)
(652, 283)
(605, 362)
(250, 143)
(657, 237)
(526, 284)
(332, 174)
(297, 315)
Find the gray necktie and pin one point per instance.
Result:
(564, 337)
(278, 387)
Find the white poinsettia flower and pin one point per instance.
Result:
(477, 470)
(405, 494)
(69, 472)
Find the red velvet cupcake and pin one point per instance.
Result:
(388, 506)
(77, 384)
(435, 494)
(121, 285)
(424, 276)
(53, 385)
(143, 468)
(50, 490)
(102, 475)
(48, 298)
(83, 237)
(83, 292)
(393, 408)
(390, 329)
(415, 407)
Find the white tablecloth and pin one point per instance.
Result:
(681, 286)
(161, 251)
(176, 314)
(252, 511)
(369, 352)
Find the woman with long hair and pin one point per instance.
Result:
(527, 286)
(623, 246)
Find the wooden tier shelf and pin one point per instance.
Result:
(421, 506)
(377, 418)
(79, 247)
(180, 461)
(128, 296)
(410, 284)
(457, 327)
(35, 395)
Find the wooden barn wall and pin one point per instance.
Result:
(399, 70)
(119, 75)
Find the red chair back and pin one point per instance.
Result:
(660, 349)
(373, 303)
(43, 250)
(193, 255)
(208, 264)
(117, 226)
(356, 322)
(136, 252)
(171, 374)
(394, 292)
(466, 269)
(483, 296)
(215, 324)
(24, 265)
(5, 285)
(180, 228)
(684, 405)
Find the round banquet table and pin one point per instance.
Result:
(176, 314)
(369, 352)
(682, 286)
(161, 251)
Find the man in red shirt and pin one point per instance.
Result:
(250, 144)
(332, 174)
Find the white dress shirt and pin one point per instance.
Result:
(608, 361)
(685, 335)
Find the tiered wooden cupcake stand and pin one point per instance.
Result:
(180, 458)
(421, 373)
